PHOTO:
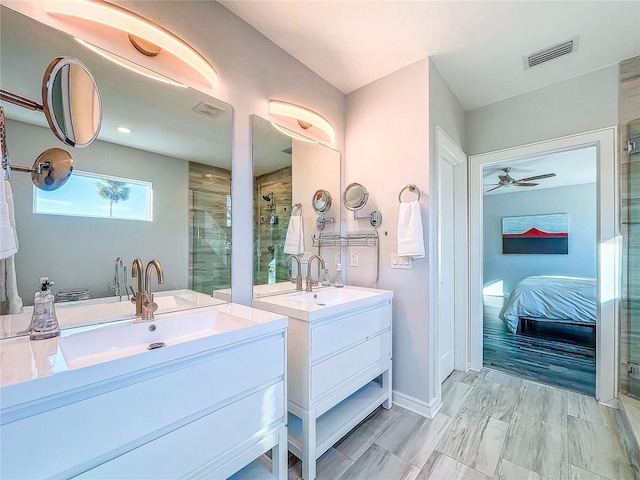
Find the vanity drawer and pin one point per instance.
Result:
(337, 335)
(165, 396)
(338, 369)
(196, 448)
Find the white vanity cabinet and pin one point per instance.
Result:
(339, 365)
(206, 408)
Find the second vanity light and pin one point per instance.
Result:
(306, 119)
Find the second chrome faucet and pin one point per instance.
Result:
(143, 298)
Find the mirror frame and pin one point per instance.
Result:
(321, 196)
(364, 197)
(48, 81)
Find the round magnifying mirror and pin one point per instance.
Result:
(71, 102)
(321, 201)
(52, 169)
(355, 196)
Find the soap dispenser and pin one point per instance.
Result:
(339, 280)
(44, 323)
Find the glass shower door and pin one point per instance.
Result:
(210, 256)
(633, 262)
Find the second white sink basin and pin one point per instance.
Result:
(331, 296)
(97, 345)
(323, 302)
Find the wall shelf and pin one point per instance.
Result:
(369, 239)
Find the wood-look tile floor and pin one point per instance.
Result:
(554, 354)
(492, 426)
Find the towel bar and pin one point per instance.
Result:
(412, 188)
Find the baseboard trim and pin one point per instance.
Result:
(428, 410)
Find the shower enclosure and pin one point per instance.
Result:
(210, 230)
(630, 196)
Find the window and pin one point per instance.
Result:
(94, 195)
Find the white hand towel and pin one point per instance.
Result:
(8, 242)
(410, 237)
(294, 241)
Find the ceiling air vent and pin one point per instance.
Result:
(550, 53)
(207, 109)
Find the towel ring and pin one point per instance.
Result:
(412, 188)
(293, 209)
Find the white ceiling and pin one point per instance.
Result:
(476, 45)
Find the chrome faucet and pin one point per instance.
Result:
(149, 306)
(298, 279)
(311, 282)
(138, 296)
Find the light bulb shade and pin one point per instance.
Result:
(302, 114)
(107, 14)
(292, 134)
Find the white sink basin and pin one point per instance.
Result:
(85, 346)
(326, 297)
(98, 310)
(321, 303)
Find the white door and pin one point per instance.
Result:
(446, 242)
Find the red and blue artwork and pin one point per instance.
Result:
(536, 234)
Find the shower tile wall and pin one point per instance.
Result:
(209, 233)
(266, 232)
(629, 111)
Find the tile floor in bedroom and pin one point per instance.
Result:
(492, 425)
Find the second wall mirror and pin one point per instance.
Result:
(301, 174)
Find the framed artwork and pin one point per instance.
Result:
(536, 234)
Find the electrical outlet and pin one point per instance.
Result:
(336, 258)
(354, 259)
(404, 263)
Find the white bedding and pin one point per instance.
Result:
(550, 297)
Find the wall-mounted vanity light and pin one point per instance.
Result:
(147, 37)
(307, 119)
(131, 66)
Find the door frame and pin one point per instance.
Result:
(608, 241)
(447, 150)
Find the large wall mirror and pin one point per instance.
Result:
(289, 173)
(161, 192)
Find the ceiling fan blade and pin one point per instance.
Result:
(491, 184)
(526, 184)
(491, 190)
(505, 178)
(537, 177)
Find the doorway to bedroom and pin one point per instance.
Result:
(544, 268)
(539, 268)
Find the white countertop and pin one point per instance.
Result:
(22, 360)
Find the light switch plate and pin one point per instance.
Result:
(353, 256)
(403, 263)
(336, 258)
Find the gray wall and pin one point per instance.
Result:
(80, 251)
(583, 103)
(389, 137)
(579, 201)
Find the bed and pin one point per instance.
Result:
(551, 299)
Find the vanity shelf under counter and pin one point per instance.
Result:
(209, 404)
(338, 364)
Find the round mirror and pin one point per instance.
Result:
(52, 169)
(321, 201)
(355, 196)
(71, 102)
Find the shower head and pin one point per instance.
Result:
(268, 198)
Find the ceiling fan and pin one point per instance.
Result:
(507, 180)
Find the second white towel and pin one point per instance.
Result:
(410, 236)
(294, 241)
(8, 239)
